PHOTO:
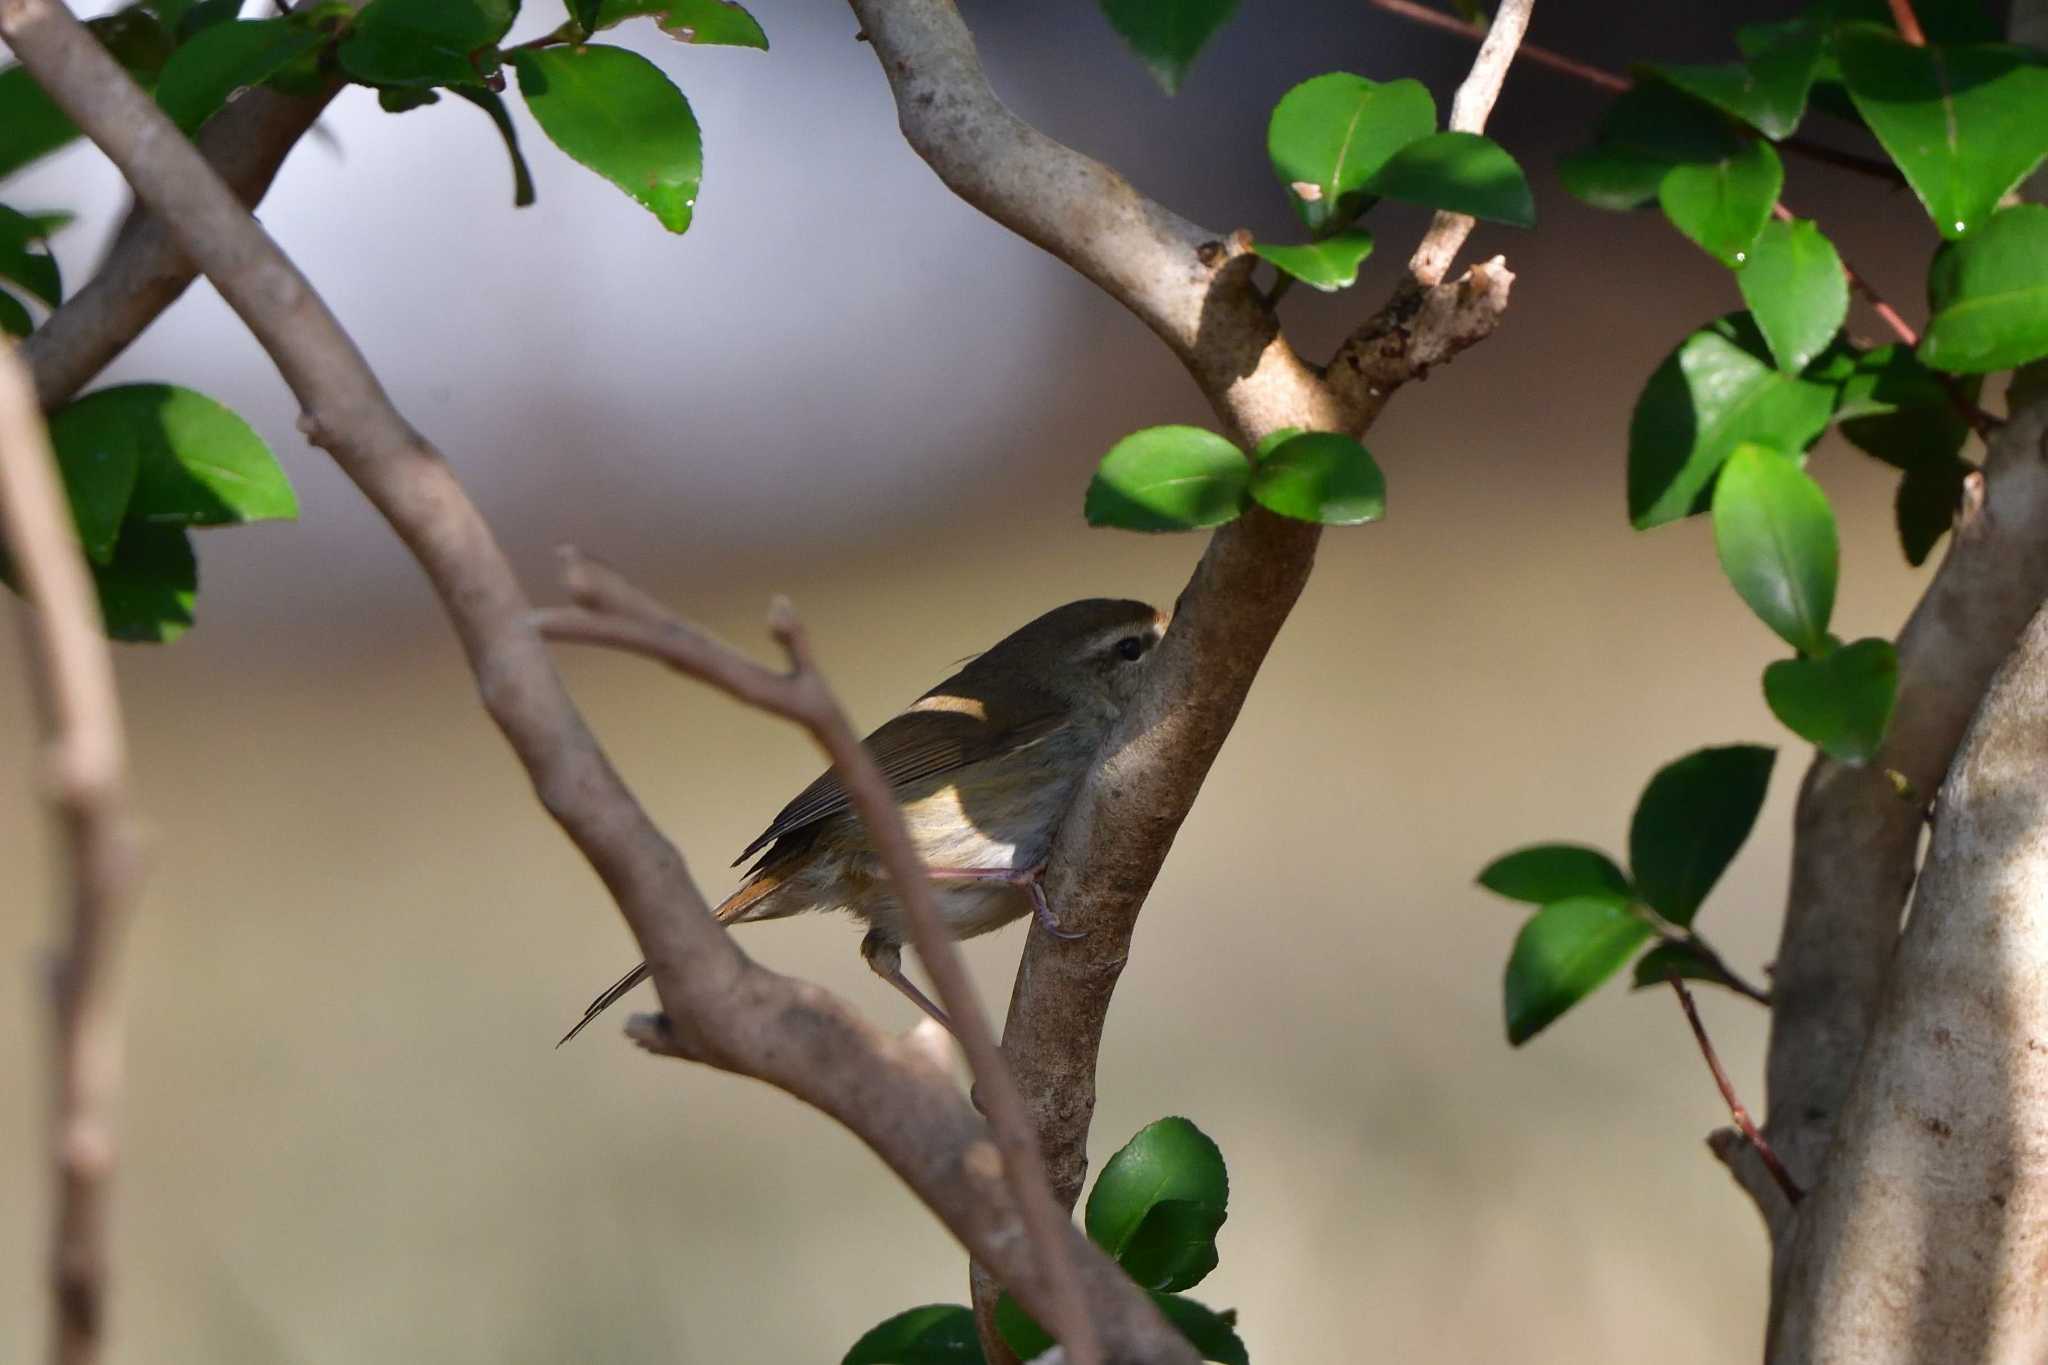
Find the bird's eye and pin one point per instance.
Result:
(1131, 648)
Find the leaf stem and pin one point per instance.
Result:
(1735, 1109)
(1908, 22)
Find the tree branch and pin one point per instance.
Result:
(617, 615)
(1925, 1238)
(144, 272)
(1855, 839)
(722, 1008)
(1193, 288)
(85, 774)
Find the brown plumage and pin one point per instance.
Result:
(984, 766)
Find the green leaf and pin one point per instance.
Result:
(1168, 478)
(1460, 172)
(1646, 131)
(1795, 289)
(1209, 1332)
(99, 483)
(1989, 294)
(1565, 951)
(1965, 123)
(1767, 92)
(1717, 390)
(1167, 35)
(150, 585)
(204, 15)
(1320, 476)
(25, 257)
(1895, 408)
(202, 74)
(936, 1334)
(615, 112)
(197, 463)
(586, 15)
(1928, 498)
(1330, 134)
(488, 101)
(1329, 265)
(32, 127)
(708, 22)
(1690, 822)
(1554, 872)
(426, 42)
(1170, 1161)
(1723, 205)
(1775, 535)
(1679, 962)
(14, 318)
(1840, 701)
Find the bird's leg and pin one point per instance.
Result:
(1031, 880)
(885, 958)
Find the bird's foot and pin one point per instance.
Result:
(1031, 880)
(884, 957)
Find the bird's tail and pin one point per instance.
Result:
(734, 909)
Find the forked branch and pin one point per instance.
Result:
(84, 773)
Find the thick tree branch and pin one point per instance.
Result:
(722, 1008)
(1855, 838)
(615, 614)
(85, 774)
(1926, 1236)
(144, 272)
(1193, 288)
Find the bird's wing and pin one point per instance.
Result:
(937, 735)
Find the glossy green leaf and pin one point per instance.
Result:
(1690, 822)
(1461, 172)
(708, 22)
(494, 107)
(148, 588)
(202, 74)
(1964, 122)
(99, 482)
(1555, 872)
(25, 257)
(1768, 91)
(1775, 535)
(936, 1334)
(1928, 498)
(1840, 701)
(1795, 289)
(32, 127)
(615, 112)
(1895, 408)
(1211, 1333)
(1562, 954)
(1329, 265)
(1717, 390)
(1331, 133)
(1169, 1161)
(1168, 478)
(1723, 205)
(202, 16)
(14, 318)
(1679, 962)
(197, 463)
(586, 15)
(1320, 476)
(1168, 35)
(1646, 131)
(1989, 294)
(426, 42)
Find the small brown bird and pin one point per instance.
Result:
(984, 766)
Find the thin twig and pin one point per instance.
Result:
(1616, 83)
(617, 614)
(1908, 22)
(85, 772)
(1735, 1109)
(1470, 108)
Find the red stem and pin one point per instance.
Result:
(1908, 22)
(1741, 1115)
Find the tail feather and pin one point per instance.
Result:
(732, 910)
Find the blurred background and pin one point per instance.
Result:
(347, 1136)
